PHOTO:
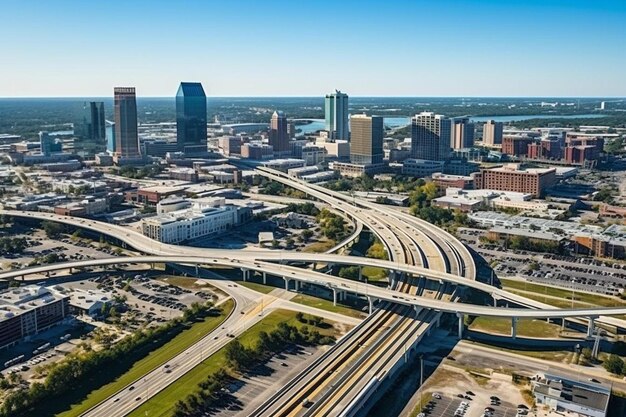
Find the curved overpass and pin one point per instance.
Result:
(303, 275)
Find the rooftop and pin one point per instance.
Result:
(589, 395)
(16, 301)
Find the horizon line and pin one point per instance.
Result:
(322, 96)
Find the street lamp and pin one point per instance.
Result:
(421, 378)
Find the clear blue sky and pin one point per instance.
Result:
(300, 48)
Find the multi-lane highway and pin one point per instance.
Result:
(420, 254)
(249, 262)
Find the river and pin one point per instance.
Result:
(394, 122)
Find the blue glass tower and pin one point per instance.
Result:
(191, 116)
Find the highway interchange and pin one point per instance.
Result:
(340, 382)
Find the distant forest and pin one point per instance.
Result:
(27, 117)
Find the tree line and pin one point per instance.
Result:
(77, 367)
(240, 358)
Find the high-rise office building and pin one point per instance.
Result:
(492, 133)
(191, 116)
(462, 133)
(91, 125)
(278, 135)
(430, 136)
(366, 146)
(89, 130)
(110, 134)
(336, 110)
(49, 144)
(125, 110)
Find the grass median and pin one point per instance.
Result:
(583, 297)
(162, 404)
(151, 361)
(525, 327)
(327, 305)
(309, 300)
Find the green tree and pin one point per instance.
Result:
(306, 235)
(614, 364)
(349, 272)
(52, 229)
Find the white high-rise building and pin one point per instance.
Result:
(337, 115)
(431, 135)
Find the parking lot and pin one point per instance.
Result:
(575, 272)
(471, 405)
(40, 246)
(242, 396)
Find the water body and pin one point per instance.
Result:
(394, 122)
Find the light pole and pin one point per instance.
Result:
(421, 379)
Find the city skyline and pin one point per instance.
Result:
(491, 58)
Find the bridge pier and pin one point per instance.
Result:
(590, 326)
(514, 327)
(264, 278)
(370, 301)
(286, 283)
(334, 296)
(495, 301)
(461, 318)
(296, 285)
(244, 274)
(360, 272)
(197, 270)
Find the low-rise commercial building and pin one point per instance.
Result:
(230, 145)
(90, 303)
(257, 151)
(494, 219)
(204, 218)
(444, 181)
(283, 164)
(28, 310)
(356, 170)
(561, 394)
(512, 177)
(421, 167)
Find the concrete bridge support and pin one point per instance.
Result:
(334, 296)
(514, 327)
(264, 278)
(590, 326)
(370, 302)
(287, 280)
(461, 318)
(245, 274)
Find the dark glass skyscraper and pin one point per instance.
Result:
(91, 125)
(278, 136)
(125, 109)
(191, 116)
(89, 130)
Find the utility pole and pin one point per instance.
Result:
(421, 379)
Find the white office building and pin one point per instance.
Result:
(205, 217)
